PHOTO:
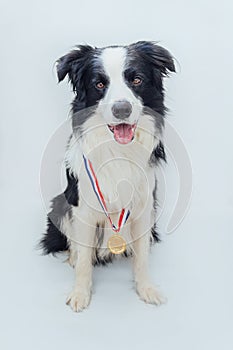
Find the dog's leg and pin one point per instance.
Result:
(82, 248)
(72, 256)
(145, 288)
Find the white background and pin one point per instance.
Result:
(193, 265)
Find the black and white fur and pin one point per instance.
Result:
(76, 222)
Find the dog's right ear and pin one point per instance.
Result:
(72, 62)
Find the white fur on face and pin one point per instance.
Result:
(113, 60)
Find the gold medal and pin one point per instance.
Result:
(116, 244)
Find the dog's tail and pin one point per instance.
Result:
(53, 241)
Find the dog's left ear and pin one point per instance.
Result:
(157, 55)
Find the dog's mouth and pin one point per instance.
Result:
(123, 133)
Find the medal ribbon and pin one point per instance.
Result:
(95, 185)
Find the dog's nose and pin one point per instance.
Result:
(121, 109)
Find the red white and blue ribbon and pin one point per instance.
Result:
(95, 185)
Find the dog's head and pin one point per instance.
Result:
(117, 82)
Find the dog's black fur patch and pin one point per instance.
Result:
(157, 155)
(84, 71)
(71, 192)
(54, 241)
(153, 62)
(155, 235)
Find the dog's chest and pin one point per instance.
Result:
(123, 174)
(125, 178)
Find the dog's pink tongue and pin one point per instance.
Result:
(123, 133)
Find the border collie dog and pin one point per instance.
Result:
(117, 120)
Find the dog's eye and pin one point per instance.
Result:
(137, 81)
(100, 85)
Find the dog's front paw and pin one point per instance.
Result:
(150, 294)
(78, 299)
